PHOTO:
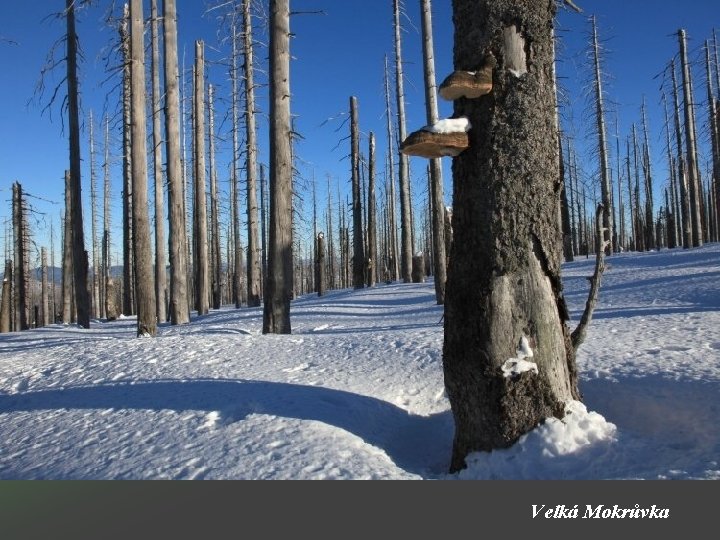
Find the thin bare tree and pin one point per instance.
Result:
(406, 231)
(160, 267)
(437, 201)
(693, 171)
(253, 257)
(200, 236)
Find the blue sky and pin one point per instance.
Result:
(337, 55)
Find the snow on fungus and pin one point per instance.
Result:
(516, 366)
(450, 125)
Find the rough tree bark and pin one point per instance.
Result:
(279, 278)
(144, 275)
(82, 298)
(179, 312)
(504, 296)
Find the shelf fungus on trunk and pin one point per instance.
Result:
(445, 138)
(469, 84)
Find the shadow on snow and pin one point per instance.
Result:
(417, 444)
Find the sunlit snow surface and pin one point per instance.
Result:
(357, 390)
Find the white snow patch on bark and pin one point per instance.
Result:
(517, 365)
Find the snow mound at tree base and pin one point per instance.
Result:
(565, 448)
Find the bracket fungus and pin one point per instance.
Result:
(469, 84)
(445, 138)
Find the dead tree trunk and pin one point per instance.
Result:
(95, 284)
(687, 224)
(279, 278)
(6, 301)
(358, 247)
(504, 299)
(620, 236)
(320, 281)
(649, 221)
(672, 215)
(82, 300)
(179, 311)
(392, 223)
(372, 255)
(254, 288)
(714, 121)
(106, 223)
(565, 208)
(214, 208)
(67, 268)
(263, 222)
(128, 258)
(144, 276)
(437, 203)
(200, 236)
(160, 270)
(605, 184)
(21, 267)
(692, 163)
(406, 233)
(234, 188)
(44, 299)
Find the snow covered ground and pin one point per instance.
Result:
(356, 392)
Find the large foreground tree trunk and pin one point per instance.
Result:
(144, 275)
(504, 298)
(179, 310)
(82, 298)
(160, 270)
(279, 282)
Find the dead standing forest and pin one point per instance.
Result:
(248, 233)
